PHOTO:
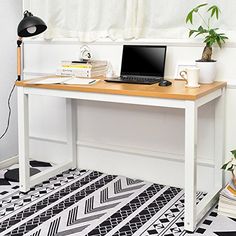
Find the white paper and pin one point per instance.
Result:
(63, 80)
(56, 80)
(81, 81)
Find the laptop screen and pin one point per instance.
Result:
(143, 60)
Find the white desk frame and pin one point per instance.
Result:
(193, 212)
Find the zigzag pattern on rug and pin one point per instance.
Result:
(90, 203)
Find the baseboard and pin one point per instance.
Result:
(175, 157)
(8, 162)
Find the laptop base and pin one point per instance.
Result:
(134, 80)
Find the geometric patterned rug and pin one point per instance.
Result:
(90, 203)
(7, 187)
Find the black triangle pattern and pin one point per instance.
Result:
(16, 200)
(153, 208)
(229, 233)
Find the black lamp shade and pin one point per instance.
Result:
(27, 23)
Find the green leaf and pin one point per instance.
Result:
(191, 32)
(219, 42)
(189, 17)
(206, 41)
(201, 5)
(199, 33)
(212, 32)
(225, 165)
(209, 41)
(200, 28)
(223, 40)
(224, 37)
(234, 153)
(231, 168)
(214, 11)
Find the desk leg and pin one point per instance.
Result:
(219, 139)
(190, 165)
(71, 130)
(23, 139)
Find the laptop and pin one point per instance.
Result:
(141, 64)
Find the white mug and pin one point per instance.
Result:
(191, 75)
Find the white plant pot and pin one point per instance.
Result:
(207, 72)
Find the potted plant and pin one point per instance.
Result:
(231, 166)
(211, 37)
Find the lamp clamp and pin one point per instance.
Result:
(19, 42)
(27, 13)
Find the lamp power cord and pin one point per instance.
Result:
(9, 111)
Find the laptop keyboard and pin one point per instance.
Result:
(140, 80)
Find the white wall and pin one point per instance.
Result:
(136, 141)
(11, 13)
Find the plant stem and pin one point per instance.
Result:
(203, 20)
(233, 174)
(234, 179)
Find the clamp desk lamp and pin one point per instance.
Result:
(29, 26)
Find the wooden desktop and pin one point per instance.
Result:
(176, 91)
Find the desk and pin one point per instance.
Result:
(175, 96)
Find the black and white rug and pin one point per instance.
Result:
(90, 203)
(7, 187)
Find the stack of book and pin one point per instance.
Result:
(227, 202)
(91, 68)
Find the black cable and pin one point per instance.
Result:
(9, 111)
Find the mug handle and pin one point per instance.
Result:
(183, 74)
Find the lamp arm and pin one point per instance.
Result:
(19, 42)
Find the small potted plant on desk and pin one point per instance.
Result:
(231, 166)
(211, 36)
(227, 200)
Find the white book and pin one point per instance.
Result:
(81, 72)
(225, 207)
(90, 63)
(226, 213)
